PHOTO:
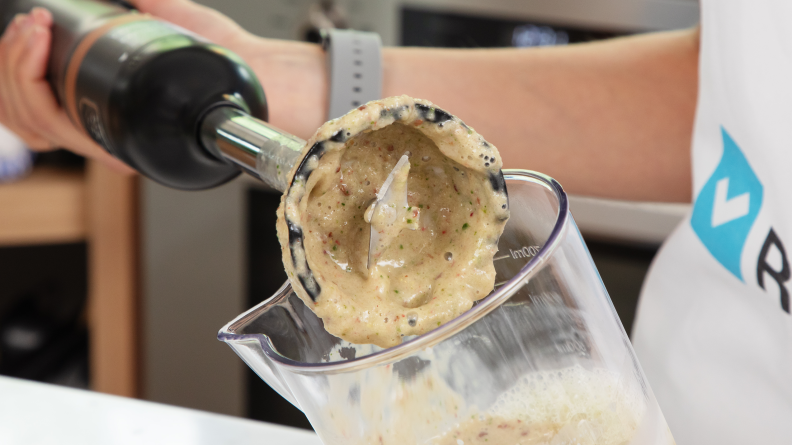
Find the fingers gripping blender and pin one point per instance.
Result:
(182, 111)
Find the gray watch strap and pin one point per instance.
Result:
(355, 66)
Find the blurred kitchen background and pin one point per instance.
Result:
(119, 285)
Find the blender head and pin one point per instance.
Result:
(291, 334)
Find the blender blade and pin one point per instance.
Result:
(385, 196)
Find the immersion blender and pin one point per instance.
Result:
(184, 112)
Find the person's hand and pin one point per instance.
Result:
(293, 74)
(27, 104)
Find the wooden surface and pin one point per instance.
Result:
(47, 207)
(99, 206)
(113, 280)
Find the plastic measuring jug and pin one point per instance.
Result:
(542, 359)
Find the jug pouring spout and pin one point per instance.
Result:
(249, 350)
(251, 347)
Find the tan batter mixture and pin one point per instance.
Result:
(568, 406)
(434, 256)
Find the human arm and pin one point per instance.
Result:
(610, 119)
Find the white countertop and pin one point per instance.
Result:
(35, 413)
(630, 222)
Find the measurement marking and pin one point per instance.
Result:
(523, 252)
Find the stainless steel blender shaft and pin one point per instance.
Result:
(260, 149)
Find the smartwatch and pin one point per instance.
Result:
(354, 64)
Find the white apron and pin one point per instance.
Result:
(714, 330)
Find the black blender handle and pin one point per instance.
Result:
(140, 87)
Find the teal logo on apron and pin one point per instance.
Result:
(727, 207)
